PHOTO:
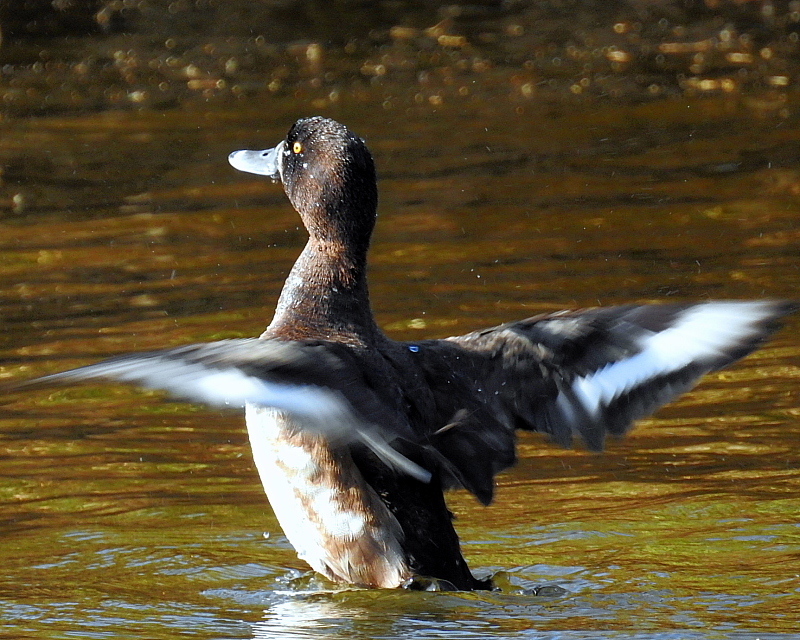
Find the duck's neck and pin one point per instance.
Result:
(325, 295)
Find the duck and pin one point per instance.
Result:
(357, 437)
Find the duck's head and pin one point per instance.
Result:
(328, 174)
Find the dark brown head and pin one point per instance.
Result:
(328, 174)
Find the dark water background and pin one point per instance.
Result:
(123, 515)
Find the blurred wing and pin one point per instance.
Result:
(307, 380)
(595, 371)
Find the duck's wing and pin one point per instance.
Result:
(596, 371)
(311, 380)
(588, 373)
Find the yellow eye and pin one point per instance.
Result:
(297, 147)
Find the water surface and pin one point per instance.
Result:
(124, 515)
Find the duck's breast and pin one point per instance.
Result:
(330, 515)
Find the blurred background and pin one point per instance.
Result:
(93, 54)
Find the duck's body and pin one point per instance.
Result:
(356, 436)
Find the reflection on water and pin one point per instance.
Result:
(318, 616)
(126, 515)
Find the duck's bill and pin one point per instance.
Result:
(264, 162)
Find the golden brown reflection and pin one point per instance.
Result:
(690, 523)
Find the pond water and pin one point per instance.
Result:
(124, 515)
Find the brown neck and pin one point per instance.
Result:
(325, 294)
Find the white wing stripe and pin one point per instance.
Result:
(318, 409)
(700, 333)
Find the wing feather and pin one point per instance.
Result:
(596, 371)
(308, 380)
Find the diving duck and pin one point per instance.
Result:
(356, 436)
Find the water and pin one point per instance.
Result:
(127, 516)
